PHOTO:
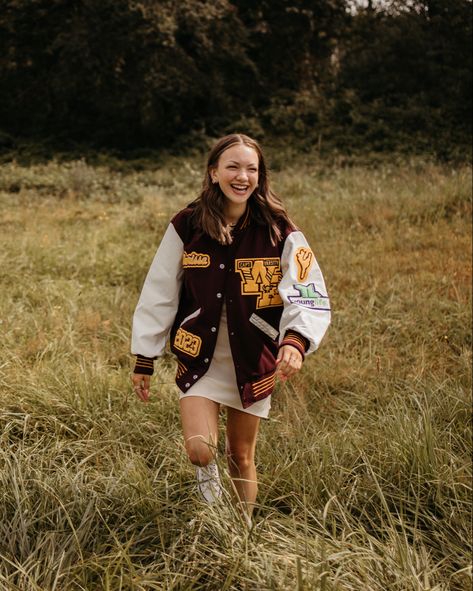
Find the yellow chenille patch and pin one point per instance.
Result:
(187, 342)
(261, 277)
(195, 259)
(304, 258)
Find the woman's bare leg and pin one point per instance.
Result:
(199, 417)
(242, 430)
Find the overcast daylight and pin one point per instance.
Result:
(235, 295)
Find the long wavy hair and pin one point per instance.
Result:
(265, 207)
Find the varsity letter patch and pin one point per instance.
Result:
(260, 277)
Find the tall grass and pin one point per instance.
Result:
(365, 471)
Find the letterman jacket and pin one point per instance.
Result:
(274, 295)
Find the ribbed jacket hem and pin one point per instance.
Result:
(296, 340)
(144, 365)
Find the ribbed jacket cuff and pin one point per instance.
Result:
(144, 365)
(296, 340)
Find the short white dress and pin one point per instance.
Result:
(219, 383)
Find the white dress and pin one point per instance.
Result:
(219, 383)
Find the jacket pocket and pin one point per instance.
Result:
(190, 317)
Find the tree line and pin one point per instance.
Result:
(354, 75)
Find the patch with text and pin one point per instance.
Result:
(261, 277)
(195, 259)
(309, 297)
(187, 342)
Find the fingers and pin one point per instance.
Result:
(141, 386)
(288, 362)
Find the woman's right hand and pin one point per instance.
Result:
(141, 385)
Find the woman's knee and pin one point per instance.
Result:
(199, 451)
(241, 458)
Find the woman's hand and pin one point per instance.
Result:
(141, 385)
(288, 362)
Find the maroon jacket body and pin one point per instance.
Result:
(261, 285)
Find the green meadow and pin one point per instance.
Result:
(365, 462)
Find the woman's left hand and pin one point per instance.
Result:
(288, 362)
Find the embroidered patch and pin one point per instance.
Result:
(195, 259)
(309, 297)
(261, 277)
(187, 342)
(304, 259)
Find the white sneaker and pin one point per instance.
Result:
(208, 482)
(247, 520)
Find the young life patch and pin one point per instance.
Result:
(309, 297)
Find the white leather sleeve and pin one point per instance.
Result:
(159, 299)
(302, 289)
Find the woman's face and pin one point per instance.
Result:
(237, 173)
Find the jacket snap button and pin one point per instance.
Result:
(194, 377)
(222, 266)
(213, 329)
(206, 360)
(219, 295)
(187, 385)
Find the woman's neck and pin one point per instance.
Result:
(233, 212)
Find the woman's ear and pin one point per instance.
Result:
(213, 175)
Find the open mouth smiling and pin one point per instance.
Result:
(240, 188)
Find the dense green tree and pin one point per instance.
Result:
(133, 72)
(405, 72)
(292, 40)
(118, 69)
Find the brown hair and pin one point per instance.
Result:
(266, 208)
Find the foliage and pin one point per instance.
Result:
(133, 73)
(406, 76)
(119, 70)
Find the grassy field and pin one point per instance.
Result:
(365, 470)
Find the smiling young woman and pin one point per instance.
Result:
(226, 287)
(236, 173)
